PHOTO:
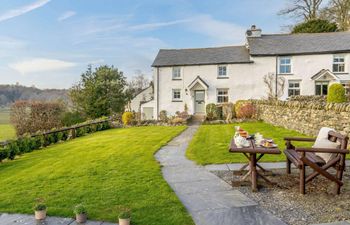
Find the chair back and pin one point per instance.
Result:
(338, 137)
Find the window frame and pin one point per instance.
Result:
(284, 64)
(222, 95)
(338, 64)
(179, 99)
(294, 89)
(218, 72)
(322, 83)
(178, 72)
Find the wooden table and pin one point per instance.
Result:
(253, 153)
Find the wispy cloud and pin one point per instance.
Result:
(22, 10)
(152, 26)
(36, 65)
(66, 15)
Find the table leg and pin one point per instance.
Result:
(252, 165)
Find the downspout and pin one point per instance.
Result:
(158, 93)
(276, 76)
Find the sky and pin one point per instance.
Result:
(50, 43)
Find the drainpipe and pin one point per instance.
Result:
(157, 92)
(276, 74)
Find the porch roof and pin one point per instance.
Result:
(200, 81)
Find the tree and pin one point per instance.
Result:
(303, 9)
(338, 11)
(101, 92)
(275, 86)
(138, 82)
(315, 26)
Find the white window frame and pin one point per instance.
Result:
(222, 95)
(285, 64)
(174, 98)
(294, 88)
(322, 83)
(176, 73)
(219, 71)
(338, 64)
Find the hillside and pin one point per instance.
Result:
(12, 93)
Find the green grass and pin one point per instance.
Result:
(4, 115)
(210, 143)
(105, 171)
(7, 131)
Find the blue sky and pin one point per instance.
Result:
(49, 43)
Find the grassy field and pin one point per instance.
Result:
(105, 171)
(210, 143)
(4, 115)
(7, 132)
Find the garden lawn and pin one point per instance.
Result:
(106, 171)
(7, 131)
(210, 143)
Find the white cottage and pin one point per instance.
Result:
(195, 77)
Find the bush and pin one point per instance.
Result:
(3, 154)
(211, 111)
(127, 118)
(12, 150)
(244, 109)
(178, 121)
(163, 116)
(71, 118)
(336, 94)
(80, 209)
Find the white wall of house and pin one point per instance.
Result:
(244, 81)
(144, 95)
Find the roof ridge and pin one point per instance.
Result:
(306, 34)
(226, 46)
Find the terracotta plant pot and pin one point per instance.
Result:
(81, 218)
(40, 215)
(124, 221)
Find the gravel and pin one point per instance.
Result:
(319, 205)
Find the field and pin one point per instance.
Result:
(6, 129)
(106, 171)
(210, 143)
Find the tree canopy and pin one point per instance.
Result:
(315, 26)
(100, 92)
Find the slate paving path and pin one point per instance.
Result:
(209, 200)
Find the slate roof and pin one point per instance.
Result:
(298, 44)
(202, 56)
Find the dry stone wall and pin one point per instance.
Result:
(305, 117)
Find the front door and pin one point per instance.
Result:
(199, 103)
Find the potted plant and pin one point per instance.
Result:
(124, 217)
(40, 210)
(80, 213)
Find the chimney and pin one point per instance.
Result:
(253, 32)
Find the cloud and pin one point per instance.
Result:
(23, 10)
(66, 15)
(36, 65)
(152, 26)
(220, 31)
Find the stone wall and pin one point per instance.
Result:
(305, 117)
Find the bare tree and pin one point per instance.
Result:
(305, 9)
(338, 11)
(275, 85)
(138, 82)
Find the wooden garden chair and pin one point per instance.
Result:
(302, 157)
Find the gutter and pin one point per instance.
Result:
(276, 77)
(157, 92)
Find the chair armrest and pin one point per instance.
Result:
(322, 150)
(300, 139)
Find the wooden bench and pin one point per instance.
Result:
(302, 157)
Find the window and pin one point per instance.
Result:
(176, 94)
(338, 64)
(222, 71)
(285, 65)
(347, 88)
(177, 73)
(293, 88)
(222, 95)
(321, 87)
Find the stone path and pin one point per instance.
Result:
(208, 199)
(16, 219)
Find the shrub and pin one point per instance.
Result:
(238, 106)
(336, 94)
(39, 205)
(177, 121)
(80, 209)
(12, 149)
(127, 118)
(219, 112)
(3, 154)
(211, 111)
(71, 118)
(163, 116)
(124, 215)
(246, 111)
(228, 111)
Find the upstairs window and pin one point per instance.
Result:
(176, 94)
(293, 88)
(285, 65)
(222, 95)
(222, 71)
(338, 64)
(321, 87)
(177, 73)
